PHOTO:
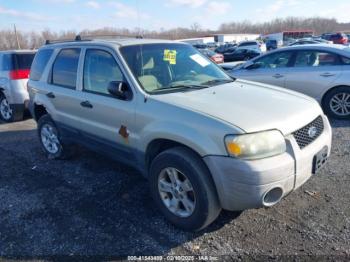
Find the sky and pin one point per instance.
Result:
(77, 15)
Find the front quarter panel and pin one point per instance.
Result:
(202, 133)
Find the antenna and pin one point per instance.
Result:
(138, 18)
(18, 45)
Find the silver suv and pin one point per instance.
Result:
(204, 140)
(14, 72)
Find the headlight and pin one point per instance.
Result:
(257, 145)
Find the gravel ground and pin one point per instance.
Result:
(89, 207)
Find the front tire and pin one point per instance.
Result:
(336, 103)
(50, 139)
(183, 190)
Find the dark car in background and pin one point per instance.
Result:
(336, 38)
(305, 42)
(225, 48)
(241, 54)
(215, 57)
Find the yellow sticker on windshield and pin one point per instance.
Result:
(170, 55)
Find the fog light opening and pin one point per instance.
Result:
(273, 196)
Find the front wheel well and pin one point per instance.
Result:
(39, 111)
(158, 146)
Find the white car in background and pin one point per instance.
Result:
(256, 45)
(14, 72)
(320, 71)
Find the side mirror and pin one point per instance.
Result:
(120, 90)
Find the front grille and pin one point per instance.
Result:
(303, 136)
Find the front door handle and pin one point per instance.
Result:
(50, 95)
(327, 74)
(278, 76)
(86, 104)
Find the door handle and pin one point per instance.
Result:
(50, 95)
(278, 76)
(86, 104)
(327, 74)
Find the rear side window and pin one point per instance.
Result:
(315, 59)
(65, 67)
(39, 63)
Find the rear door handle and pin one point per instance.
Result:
(327, 74)
(278, 76)
(86, 104)
(50, 95)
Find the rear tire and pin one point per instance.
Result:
(200, 191)
(51, 140)
(336, 103)
(6, 113)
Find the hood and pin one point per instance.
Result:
(251, 106)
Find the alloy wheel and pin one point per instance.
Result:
(49, 138)
(176, 192)
(340, 104)
(5, 109)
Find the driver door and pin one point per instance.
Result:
(271, 69)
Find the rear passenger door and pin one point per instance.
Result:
(61, 89)
(104, 118)
(313, 72)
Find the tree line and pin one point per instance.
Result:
(33, 40)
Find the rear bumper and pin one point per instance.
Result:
(245, 184)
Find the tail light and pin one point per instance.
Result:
(19, 74)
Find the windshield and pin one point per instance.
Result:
(171, 67)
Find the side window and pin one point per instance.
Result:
(7, 62)
(276, 60)
(65, 67)
(100, 68)
(312, 58)
(39, 63)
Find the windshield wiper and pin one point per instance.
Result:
(189, 86)
(218, 81)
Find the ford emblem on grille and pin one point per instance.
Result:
(312, 132)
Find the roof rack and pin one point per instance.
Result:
(77, 38)
(89, 38)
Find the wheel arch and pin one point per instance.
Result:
(38, 111)
(330, 90)
(159, 145)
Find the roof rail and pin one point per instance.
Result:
(77, 38)
(89, 38)
(107, 36)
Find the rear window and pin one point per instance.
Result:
(17, 61)
(39, 63)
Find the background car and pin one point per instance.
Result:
(271, 44)
(224, 48)
(257, 45)
(14, 73)
(337, 38)
(241, 54)
(320, 71)
(304, 42)
(215, 57)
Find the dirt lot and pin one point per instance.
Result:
(91, 207)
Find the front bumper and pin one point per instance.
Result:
(243, 184)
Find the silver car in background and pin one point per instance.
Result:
(14, 72)
(320, 71)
